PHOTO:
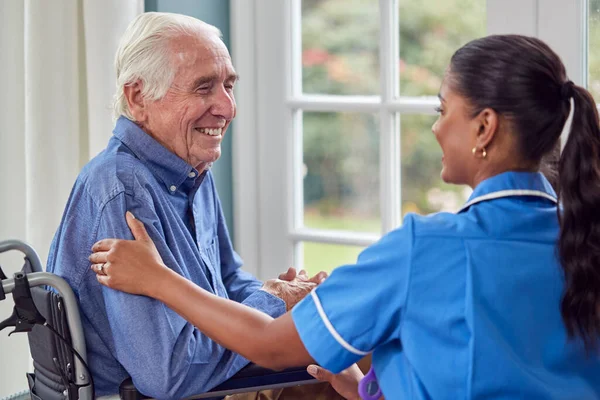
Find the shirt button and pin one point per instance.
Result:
(173, 188)
(192, 174)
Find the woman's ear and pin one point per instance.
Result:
(488, 121)
(135, 101)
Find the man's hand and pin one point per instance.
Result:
(291, 287)
(292, 274)
(289, 291)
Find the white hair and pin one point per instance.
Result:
(144, 54)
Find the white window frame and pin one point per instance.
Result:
(266, 206)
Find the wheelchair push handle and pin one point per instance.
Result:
(30, 253)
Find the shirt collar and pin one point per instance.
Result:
(508, 184)
(174, 172)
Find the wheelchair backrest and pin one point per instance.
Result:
(53, 361)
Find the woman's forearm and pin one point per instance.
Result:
(270, 343)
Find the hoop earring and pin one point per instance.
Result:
(483, 152)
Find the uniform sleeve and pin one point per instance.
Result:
(359, 307)
(164, 354)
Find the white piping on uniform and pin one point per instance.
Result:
(332, 330)
(509, 193)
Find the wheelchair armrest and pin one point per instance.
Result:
(251, 378)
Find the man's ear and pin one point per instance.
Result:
(135, 101)
(488, 121)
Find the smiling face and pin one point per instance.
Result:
(192, 117)
(456, 132)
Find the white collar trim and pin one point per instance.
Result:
(508, 193)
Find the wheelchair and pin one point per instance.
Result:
(51, 319)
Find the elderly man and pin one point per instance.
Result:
(174, 103)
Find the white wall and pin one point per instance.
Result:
(14, 350)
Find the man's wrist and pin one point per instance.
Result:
(266, 302)
(274, 290)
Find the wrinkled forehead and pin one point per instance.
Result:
(203, 50)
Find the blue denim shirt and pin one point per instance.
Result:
(135, 335)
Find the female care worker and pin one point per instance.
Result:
(500, 300)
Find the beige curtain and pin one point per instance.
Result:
(56, 86)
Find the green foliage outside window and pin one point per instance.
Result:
(340, 56)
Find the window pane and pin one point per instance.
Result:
(594, 49)
(326, 257)
(340, 47)
(423, 191)
(430, 32)
(341, 171)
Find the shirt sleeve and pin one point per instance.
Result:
(167, 357)
(359, 307)
(242, 286)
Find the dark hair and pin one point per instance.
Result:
(525, 82)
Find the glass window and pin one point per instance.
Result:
(430, 32)
(326, 257)
(344, 174)
(364, 76)
(341, 171)
(340, 47)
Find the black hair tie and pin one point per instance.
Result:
(567, 89)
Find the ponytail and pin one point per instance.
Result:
(579, 216)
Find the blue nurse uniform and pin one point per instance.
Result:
(458, 306)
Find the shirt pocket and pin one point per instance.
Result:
(211, 256)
